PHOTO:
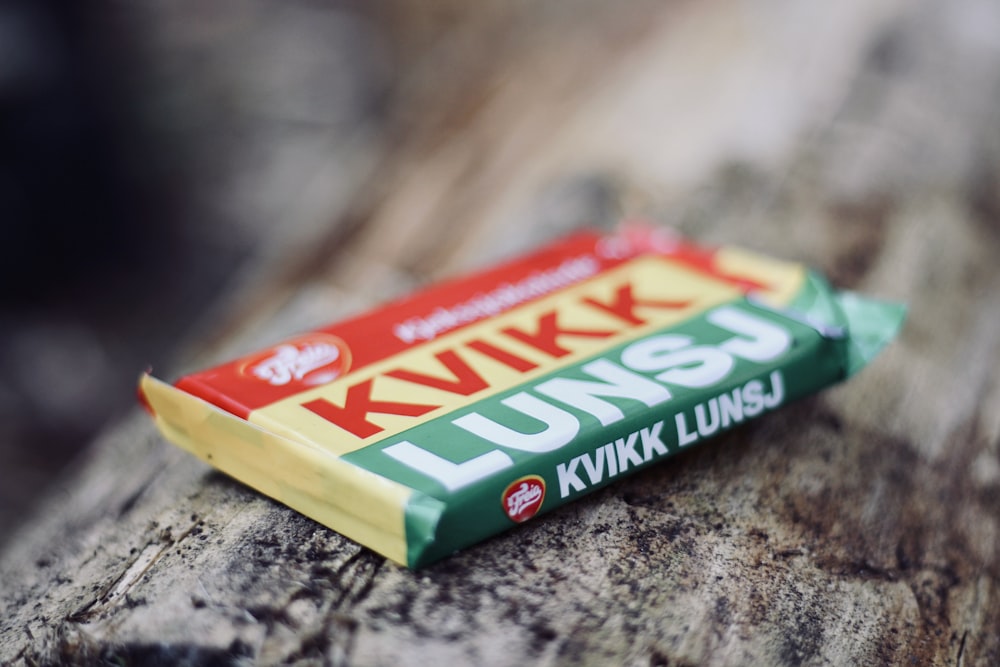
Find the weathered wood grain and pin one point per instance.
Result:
(858, 527)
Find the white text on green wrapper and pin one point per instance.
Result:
(646, 372)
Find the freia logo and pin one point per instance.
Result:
(308, 360)
(523, 498)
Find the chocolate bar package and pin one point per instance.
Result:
(434, 422)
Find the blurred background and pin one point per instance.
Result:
(173, 174)
(148, 152)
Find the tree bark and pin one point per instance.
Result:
(861, 526)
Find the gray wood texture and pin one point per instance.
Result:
(861, 526)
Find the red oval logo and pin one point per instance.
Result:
(523, 498)
(308, 360)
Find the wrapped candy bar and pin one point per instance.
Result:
(432, 423)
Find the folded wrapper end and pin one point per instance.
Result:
(872, 325)
(423, 520)
(141, 395)
(865, 325)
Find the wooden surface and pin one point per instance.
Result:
(858, 527)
